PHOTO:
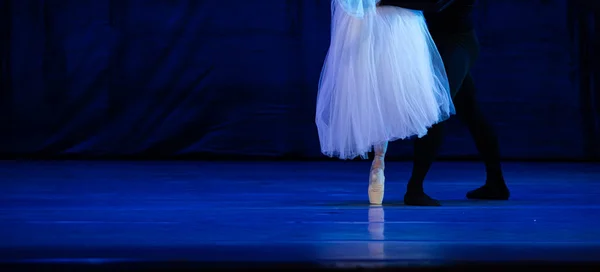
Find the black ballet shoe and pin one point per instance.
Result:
(420, 199)
(490, 192)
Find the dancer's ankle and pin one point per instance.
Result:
(378, 164)
(412, 188)
(495, 180)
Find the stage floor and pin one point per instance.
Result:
(291, 212)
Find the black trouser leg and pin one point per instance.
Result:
(458, 52)
(486, 142)
(425, 151)
(481, 130)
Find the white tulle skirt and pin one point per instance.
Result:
(383, 79)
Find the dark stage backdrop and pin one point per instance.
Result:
(238, 78)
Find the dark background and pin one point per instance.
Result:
(238, 79)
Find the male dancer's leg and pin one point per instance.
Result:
(486, 141)
(425, 149)
(457, 57)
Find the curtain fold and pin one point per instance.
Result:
(151, 78)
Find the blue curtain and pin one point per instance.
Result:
(168, 78)
(587, 41)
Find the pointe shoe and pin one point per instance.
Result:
(376, 186)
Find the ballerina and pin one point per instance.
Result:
(383, 80)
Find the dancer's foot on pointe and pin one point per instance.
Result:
(377, 178)
(419, 198)
(376, 186)
(490, 191)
